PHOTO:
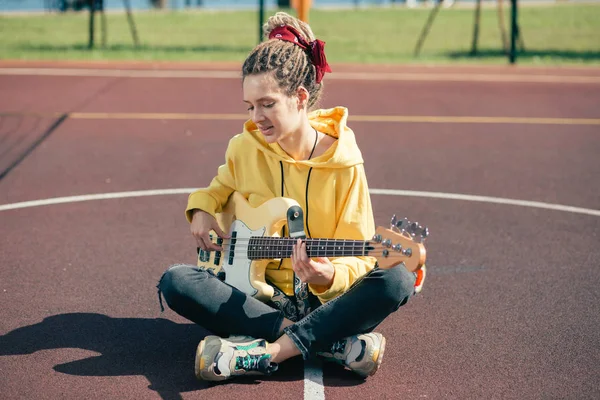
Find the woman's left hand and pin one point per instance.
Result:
(319, 271)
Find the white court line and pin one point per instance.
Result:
(313, 380)
(90, 197)
(357, 76)
(121, 73)
(487, 199)
(388, 192)
(360, 118)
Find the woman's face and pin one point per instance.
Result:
(276, 114)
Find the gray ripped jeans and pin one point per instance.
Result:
(201, 297)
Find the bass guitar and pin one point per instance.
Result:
(255, 240)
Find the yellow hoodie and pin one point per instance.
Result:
(339, 205)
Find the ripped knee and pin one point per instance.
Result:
(171, 280)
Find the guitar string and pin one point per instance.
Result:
(293, 242)
(392, 256)
(287, 250)
(272, 239)
(331, 245)
(369, 253)
(316, 247)
(287, 242)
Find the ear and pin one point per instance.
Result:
(303, 97)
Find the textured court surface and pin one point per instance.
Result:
(510, 306)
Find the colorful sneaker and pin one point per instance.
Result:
(219, 359)
(361, 353)
(420, 275)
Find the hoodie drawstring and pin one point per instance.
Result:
(307, 181)
(281, 168)
(283, 227)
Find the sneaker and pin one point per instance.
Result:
(219, 359)
(360, 353)
(420, 279)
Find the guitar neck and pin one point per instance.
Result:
(273, 247)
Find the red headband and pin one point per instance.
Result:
(315, 48)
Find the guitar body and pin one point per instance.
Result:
(241, 221)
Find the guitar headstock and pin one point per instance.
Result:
(403, 242)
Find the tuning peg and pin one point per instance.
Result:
(413, 228)
(393, 222)
(424, 234)
(402, 224)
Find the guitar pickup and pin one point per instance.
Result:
(232, 247)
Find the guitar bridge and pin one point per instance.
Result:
(203, 255)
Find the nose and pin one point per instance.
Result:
(257, 115)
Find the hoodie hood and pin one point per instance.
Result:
(342, 154)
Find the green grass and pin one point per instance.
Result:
(554, 34)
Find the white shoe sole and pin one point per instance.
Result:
(198, 361)
(379, 357)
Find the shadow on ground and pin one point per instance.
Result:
(22, 134)
(159, 349)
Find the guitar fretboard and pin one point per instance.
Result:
(270, 247)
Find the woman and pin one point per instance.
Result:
(333, 305)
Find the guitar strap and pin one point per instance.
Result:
(295, 222)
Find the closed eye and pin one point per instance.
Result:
(270, 105)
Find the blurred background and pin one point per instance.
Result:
(549, 32)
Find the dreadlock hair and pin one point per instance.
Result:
(289, 64)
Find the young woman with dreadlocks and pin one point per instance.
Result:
(327, 307)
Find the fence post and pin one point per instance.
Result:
(261, 18)
(514, 31)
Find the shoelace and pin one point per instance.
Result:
(251, 362)
(338, 347)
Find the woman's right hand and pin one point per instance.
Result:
(202, 224)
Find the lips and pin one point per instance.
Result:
(265, 130)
